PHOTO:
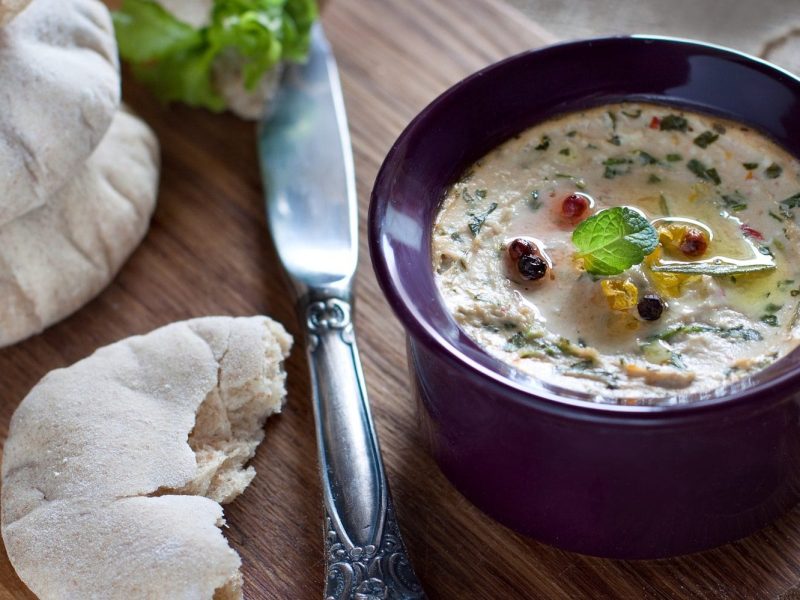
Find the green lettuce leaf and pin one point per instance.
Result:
(177, 60)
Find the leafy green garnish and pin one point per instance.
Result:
(616, 166)
(653, 178)
(792, 201)
(177, 60)
(478, 219)
(613, 116)
(772, 307)
(673, 123)
(614, 139)
(614, 240)
(771, 320)
(735, 202)
(705, 139)
(634, 114)
(703, 172)
(646, 158)
(736, 333)
(773, 171)
(565, 151)
(750, 165)
(674, 157)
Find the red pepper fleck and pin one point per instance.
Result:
(655, 123)
(749, 231)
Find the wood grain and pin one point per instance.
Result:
(208, 253)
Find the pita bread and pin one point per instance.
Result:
(58, 65)
(104, 459)
(11, 8)
(56, 258)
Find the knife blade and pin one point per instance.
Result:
(309, 181)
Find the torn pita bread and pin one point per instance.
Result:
(58, 257)
(58, 65)
(114, 467)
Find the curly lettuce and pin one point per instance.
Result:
(176, 60)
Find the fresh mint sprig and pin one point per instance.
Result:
(614, 240)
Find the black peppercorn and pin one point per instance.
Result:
(532, 267)
(650, 307)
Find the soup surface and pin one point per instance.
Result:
(636, 252)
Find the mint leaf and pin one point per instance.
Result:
(613, 240)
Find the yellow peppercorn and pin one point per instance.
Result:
(669, 285)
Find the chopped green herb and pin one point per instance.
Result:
(646, 158)
(673, 123)
(765, 250)
(674, 157)
(613, 240)
(533, 202)
(591, 147)
(477, 220)
(653, 178)
(771, 320)
(565, 151)
(750, 166)
(792, 201)
(613, 117)
(544, 144)
(719, 128)
(571, 133)
(480, 194)
(705, 139)
(616, 166)
(734, 202)
(614, 139)
(455, 236)
(676, 360)
(703, 172)
(634, 114)
(773, 171)
(739, 332)
(774, 216)
(662, 204)
(772, 308)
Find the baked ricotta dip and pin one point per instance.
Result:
(634, 252)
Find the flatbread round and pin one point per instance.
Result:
(58, 257)
(114, 467)
(58, 65)
(11, 8)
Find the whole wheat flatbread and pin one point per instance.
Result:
(114, 467)
(58, 257)
(58, 65)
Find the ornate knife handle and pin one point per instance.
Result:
(364, 553)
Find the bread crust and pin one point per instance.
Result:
(104, 477)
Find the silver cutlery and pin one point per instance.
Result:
(307, 167)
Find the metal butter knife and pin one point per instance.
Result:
(307, 166)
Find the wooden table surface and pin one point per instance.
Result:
(208, 253)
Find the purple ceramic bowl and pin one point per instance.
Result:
(600, 479)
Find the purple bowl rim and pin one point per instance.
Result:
(781, 386)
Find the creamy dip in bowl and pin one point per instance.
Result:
(715, 300)
(635, 469)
